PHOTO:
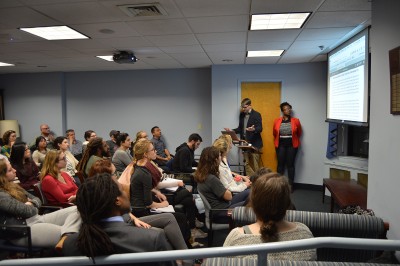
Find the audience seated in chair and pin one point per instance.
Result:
(144, 181)
(112, 142)
(40, 151)
(21, 161)
(61, 143)
(122, 157)
(88, 136)
(47, 134)
(9, 138)
(103, 230)
(231, 181)
(165, 221)
(96, 149)
(209, 185)
(58, 187)
(75, 146)
(183, 161)
(139, 135)
(163, 155)
(269, 199)
(46, 230)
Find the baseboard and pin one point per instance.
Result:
(308, 186)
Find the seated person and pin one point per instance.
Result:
(40, 151)
(270, 198)
(163, 155)
(88, 136)
(47, 229)
(21, 161)
(96, 150)
(9, 138)
(103, 231)
(47, 134)
(231, 181)
(58, 187)
(122, 157)
(75, 146)
(61, 143)
(139, 135)
(144, 181)
(112, 142)
(209, 185)
(183, 161)
(165, 221)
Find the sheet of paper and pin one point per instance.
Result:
(169, 208)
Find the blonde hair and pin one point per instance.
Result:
(15, 190)
(222, 145)
(227, 138)
(50, 164)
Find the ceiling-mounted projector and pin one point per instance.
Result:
(124, 57)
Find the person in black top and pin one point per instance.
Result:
(250, 128)
(183, 161)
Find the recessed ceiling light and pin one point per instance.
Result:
(6, 64)
(227, 60)
(278, 21)
(55, 33)
(106, 57)
(264, 53)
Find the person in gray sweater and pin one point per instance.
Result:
(46, 230)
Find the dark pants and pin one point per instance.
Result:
(239, 199)
(286, 156)
(184, 197)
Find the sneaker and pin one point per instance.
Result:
(197, 245)
(197, 233)
(199, 224)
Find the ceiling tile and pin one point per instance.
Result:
(338, 19)
(262, 60)
(120, 29)
(172, 40)
(195, 8)
(258, 46)
(336, 5)
(221, 38)
(220, 24)
(181, 49)
(323, 34)
(160, 27)
(222, 57)
(229, 47)
(273, 35)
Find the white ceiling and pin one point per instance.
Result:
(193, 34)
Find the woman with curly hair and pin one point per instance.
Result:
(269, 199)
(9, 138)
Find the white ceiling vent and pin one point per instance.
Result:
(143, 10)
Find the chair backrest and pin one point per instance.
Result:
(37, 188)
(207, 208)
(81, 176)
(328, 224)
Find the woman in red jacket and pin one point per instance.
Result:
(287, 131)
(58, 186)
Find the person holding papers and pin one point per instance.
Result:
(145, 193)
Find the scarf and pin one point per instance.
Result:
(155, 173)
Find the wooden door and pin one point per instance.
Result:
(265, 99)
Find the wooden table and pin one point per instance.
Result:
(345, 193)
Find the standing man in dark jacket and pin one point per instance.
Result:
(250, 128)
(184, 155)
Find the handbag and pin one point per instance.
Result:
(12, 232)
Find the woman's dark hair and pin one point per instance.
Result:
(90, 150)
(101, 166)
(17, 155)
(284, 104)
(88, 133)
(270, 198)
(121, 138)
(38, 140)
(58, 141)
(93, 206)
(208, 164)
(6, 137)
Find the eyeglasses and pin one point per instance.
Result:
(244, 106)
(45, 128)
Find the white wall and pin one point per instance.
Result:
(303, 86)
(178, 101)
(384, 149)
(33, 99)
